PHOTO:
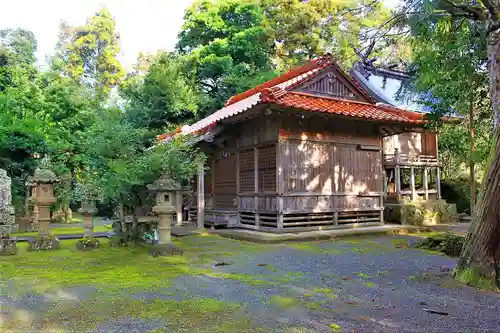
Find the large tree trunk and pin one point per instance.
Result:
(480, 259)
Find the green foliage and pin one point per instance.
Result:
(159, 95)
(449, 243)
(87, 54)
(306, 29)
(458, 191)
(451, 74)
(226, 49)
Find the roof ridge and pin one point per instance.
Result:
(316, 63)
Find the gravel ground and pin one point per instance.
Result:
(364, 285)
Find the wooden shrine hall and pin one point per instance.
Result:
(308, 149)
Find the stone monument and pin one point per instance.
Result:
(42, 198)
(7, 218)
(165, 189)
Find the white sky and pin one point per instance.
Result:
(144, 25)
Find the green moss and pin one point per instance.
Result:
(369, 285)
(284, 302)
(322, 290)
(472, 277)
(66, 231)
(204, 315)
(315, 306)
(363, 275)
(335, 328)
(313, 247)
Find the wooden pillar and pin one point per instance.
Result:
(397, 174)
(412, 184)
(426, 184)
(280, 181)
(438, 183)
(238, 185)
(201, 197)
(178, 207)
(256, 185)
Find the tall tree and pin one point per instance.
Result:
(306, 29)
(88, 53)
(158, 94)
(226, 48)
(452, 67)
(480, 258)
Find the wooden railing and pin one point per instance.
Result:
(409, 159)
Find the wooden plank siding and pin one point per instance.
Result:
(284, 172)
(328, 177)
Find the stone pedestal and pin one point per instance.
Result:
(43, 198)
(421, 212)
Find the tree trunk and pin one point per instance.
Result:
(472, 164)
(479, 262)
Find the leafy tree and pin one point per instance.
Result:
(226, 49)
(306, 29)
(118, 166)
(479, 262)
(158, 94)
(450, 64)
(17, 46)
(88, 53)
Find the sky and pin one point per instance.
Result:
(144, 26)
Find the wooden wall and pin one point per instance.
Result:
(411, 143)
(327, 176)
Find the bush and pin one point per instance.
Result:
(457, 191)
(87, 243)
(450, 244)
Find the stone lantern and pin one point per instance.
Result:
(165, 189)
(88, 210)
(42, 197)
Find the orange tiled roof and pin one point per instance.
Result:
(277, 91)
(344, 107)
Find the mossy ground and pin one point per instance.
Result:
(67, 231)
(126, 282)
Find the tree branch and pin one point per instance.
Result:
(478, 12)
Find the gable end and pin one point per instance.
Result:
(331, 83)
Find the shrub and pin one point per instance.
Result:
(457, 191)
(450, 244)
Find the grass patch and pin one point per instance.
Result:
(114, 269)
(472, 277)
(284, 302)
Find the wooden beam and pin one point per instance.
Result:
(412, 183)
(438, 183)
(256, 184)
(426, 184)
(201, 197)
